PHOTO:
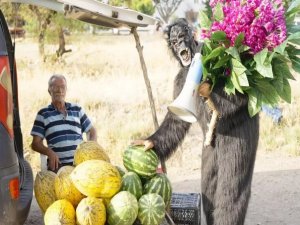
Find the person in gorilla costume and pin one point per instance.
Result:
(228, 161)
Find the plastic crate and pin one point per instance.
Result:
(186, 208)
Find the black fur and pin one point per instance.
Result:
(227, 164)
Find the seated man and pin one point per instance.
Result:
(62, 124)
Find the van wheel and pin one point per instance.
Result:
(26, 189)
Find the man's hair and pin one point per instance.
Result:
(55, 76)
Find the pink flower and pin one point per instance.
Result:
(262, 22)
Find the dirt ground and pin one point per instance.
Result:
(275, 196)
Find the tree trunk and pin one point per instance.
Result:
(43, 24)
(62, 43)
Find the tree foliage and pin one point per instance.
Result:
(44, 24)
(166, 8)
(143, 6)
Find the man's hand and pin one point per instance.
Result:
(147, 143)
(38, 146)
(204, 89)
(53, 160)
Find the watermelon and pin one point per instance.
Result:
(161, 185)
(151, 209)
(143, 163)
(122, 209)
(132, 183)
(96, 178)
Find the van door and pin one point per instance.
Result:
(16, 180)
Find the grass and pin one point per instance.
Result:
(105, 77)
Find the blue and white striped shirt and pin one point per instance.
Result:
(62, 134)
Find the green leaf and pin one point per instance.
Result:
(265, 70)
(286, 94)
(263, 66)
(269, 94)
(239, 70)
(295, 41)
(215, 53)
(218, 36)
(292, 50)
(254, 103)
(294, 36)
(293, 28)
(229, 87)
(235, 81)
(218, 12)
(206, 49)
(261, 56)
(239, 40)
(243, 48)
(223, 61)
(233, 52)
(281, 69)
(280, 48)
(294, 4)
(283, 89)
(296, 64)
(290, 16)
(204, 20)
(278, 85)
(205, 73)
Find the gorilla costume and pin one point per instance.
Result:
(228, 162)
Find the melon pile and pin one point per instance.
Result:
(95, 192)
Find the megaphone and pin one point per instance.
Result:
(184, 106)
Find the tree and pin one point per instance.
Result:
(166, 8)
(143, 6)
(207, 10)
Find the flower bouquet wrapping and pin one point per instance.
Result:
(252, 46)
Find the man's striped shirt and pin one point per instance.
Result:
(62, 133)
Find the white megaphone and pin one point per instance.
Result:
(184, 106)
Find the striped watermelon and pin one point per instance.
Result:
(132, 183)
(161, 185)
(151, 209)
(142, 162)
(122, 209)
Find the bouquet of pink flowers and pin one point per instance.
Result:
(252, 45)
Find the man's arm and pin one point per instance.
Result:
(38, 146)
(92, 134)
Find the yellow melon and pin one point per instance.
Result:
(96, 178)
(89, 150)
(64, 187)
(44, 189)
(91, 211)
(61, 212)
(106, 201)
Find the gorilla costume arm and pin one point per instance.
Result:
(172, 131)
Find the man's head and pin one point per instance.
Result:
(181, 40)
(57, 87)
